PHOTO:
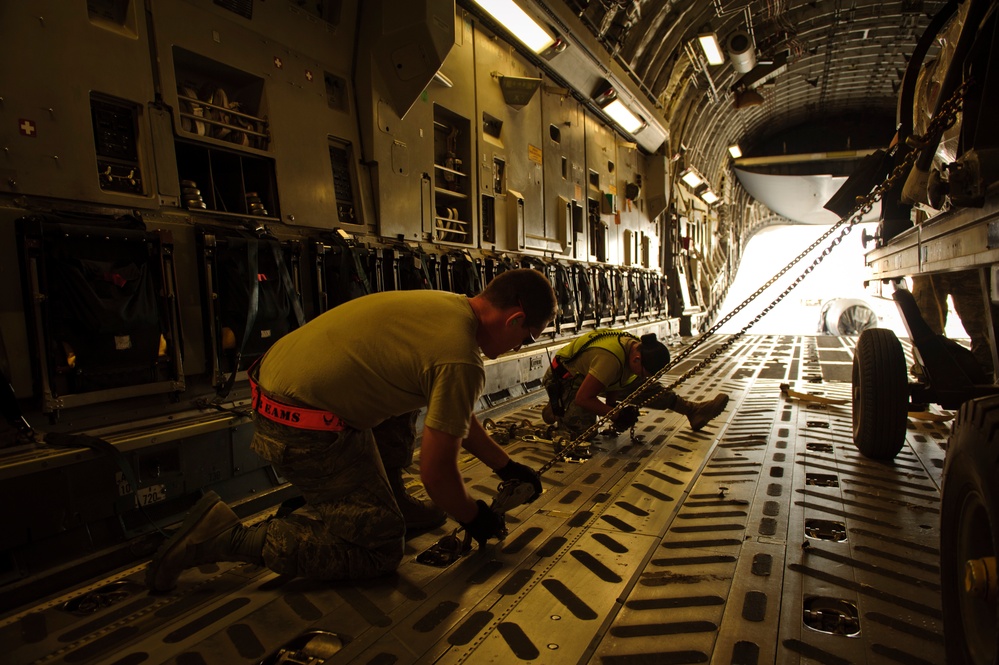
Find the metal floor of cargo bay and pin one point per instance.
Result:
(764, 538)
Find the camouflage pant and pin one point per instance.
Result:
(930, 293)
(351, 526)
(574, 420)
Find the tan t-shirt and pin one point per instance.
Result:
(383, 355)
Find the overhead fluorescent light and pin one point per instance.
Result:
(735, 151)
(692, 178)
(620, 114)
(712, 48)
(518, 23)
(709, 197)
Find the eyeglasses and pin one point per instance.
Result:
(529, 339)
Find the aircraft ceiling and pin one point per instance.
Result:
(844, 64)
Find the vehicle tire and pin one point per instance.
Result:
(880, 394)
(969, 532)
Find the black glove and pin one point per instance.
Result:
(486, 524)
(625, 418)
(523, 473)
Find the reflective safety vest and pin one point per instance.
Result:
(611, 341)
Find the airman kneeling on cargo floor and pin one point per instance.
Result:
(335, 407)
(614, 364)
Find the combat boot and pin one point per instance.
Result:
(419, 515)
(700, 414)
(211, 532)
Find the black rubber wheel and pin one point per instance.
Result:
(880, 394)
(969, 528)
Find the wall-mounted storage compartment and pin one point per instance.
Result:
(620, 288)
(240, 269)
(219, 102)
(345, 269)
(452, 184)
(604, 295)
(415, 269)
(102, 307)
(564, 283)
(344, 181)
(461, 273)
(637, 294)
(586, 302)
(116, 142)
(226, 181)
(222, 138)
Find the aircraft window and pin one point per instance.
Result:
(610, 167)
(555, 133)
(565, 168)
(595, 179)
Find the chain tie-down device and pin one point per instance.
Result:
(514, 493)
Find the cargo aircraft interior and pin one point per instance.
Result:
(183, 183)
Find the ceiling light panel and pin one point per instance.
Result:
(712, 48)
(518, 23)
(620, 114)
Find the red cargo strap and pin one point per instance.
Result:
(294, 416)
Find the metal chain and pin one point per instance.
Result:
(944, 119)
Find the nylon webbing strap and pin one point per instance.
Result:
(362, 274)
(422, 257)
(10, 409)
(252, 265)
(349, 252)
(289, 286)
(103, 447)
(464, 265)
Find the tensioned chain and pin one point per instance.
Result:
(944, 119)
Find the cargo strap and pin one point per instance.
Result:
(225, 387)
(252, 262)
(349, 252)
(103, 447)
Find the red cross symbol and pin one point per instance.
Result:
(27, 127)
(308, 75)
(278, 63)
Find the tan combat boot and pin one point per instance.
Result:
(700, 414)
(211, 532)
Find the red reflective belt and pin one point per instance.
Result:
(294, 416)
